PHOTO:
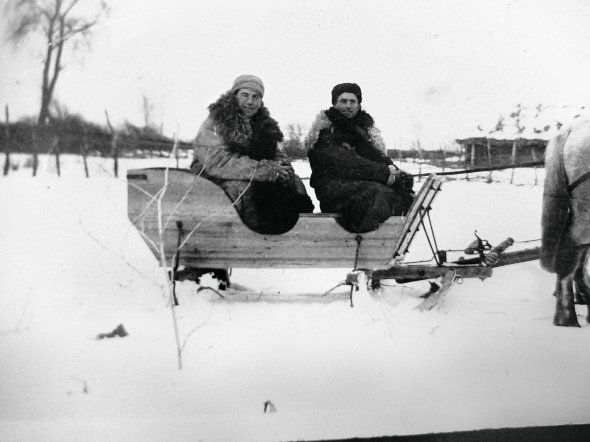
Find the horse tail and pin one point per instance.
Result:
(555, 217)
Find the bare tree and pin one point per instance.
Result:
(58, 22)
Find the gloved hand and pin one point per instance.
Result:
(400, 179)
(273, 172)
(287, 163)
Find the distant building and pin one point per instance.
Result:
(483, 151)
(520, 138)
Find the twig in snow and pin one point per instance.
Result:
(200, 289)
(153, 198)
(194, 229)
(118, 256)
(84, 383)
(192, 331)
(181, 199)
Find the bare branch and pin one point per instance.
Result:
(148, 240)
(131, 266)
(53, 19)
(69, 7)
(181, 200)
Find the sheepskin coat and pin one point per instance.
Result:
(230, 146)
(240, 154)
(350, 171)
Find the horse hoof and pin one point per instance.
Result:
(565, 321)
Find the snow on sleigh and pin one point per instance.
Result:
(195, 224)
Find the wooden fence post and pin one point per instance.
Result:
(534, 155)
(514, 148)
(7, 142)
(84, 151)
(114, 145)
(472, 160)
(489, 151)
(175, 149)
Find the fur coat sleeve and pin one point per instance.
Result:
(339, 161)
(214, 159)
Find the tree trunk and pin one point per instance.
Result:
(45, 98)
(55, 149)
(35, 147)
(114, 146)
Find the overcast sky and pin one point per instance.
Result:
(431, 70)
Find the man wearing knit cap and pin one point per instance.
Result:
(351, 173)
(237, 147)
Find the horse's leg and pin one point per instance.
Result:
(565, 312)
(580, 295)
(582, 280)
(557, 291)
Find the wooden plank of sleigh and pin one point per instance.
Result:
(177, 207)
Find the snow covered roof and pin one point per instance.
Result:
(529, 122)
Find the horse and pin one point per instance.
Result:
(565, 219)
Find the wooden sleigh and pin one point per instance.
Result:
(200, 230)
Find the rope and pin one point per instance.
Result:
(484, 169)
(527, 241)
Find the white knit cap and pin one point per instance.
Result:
(248, 82)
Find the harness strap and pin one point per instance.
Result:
(578, 181)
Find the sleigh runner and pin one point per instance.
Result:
(200, 229)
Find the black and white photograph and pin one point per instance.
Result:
(294, 220)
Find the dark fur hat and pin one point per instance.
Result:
(341, 88)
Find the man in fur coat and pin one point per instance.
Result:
(351, 173)
(237, 147)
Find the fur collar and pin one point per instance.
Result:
(332, 118)
(238, 131)
(362, 120)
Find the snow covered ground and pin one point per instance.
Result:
(72, 266)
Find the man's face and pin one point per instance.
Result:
(347, 104)
(250, 101)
